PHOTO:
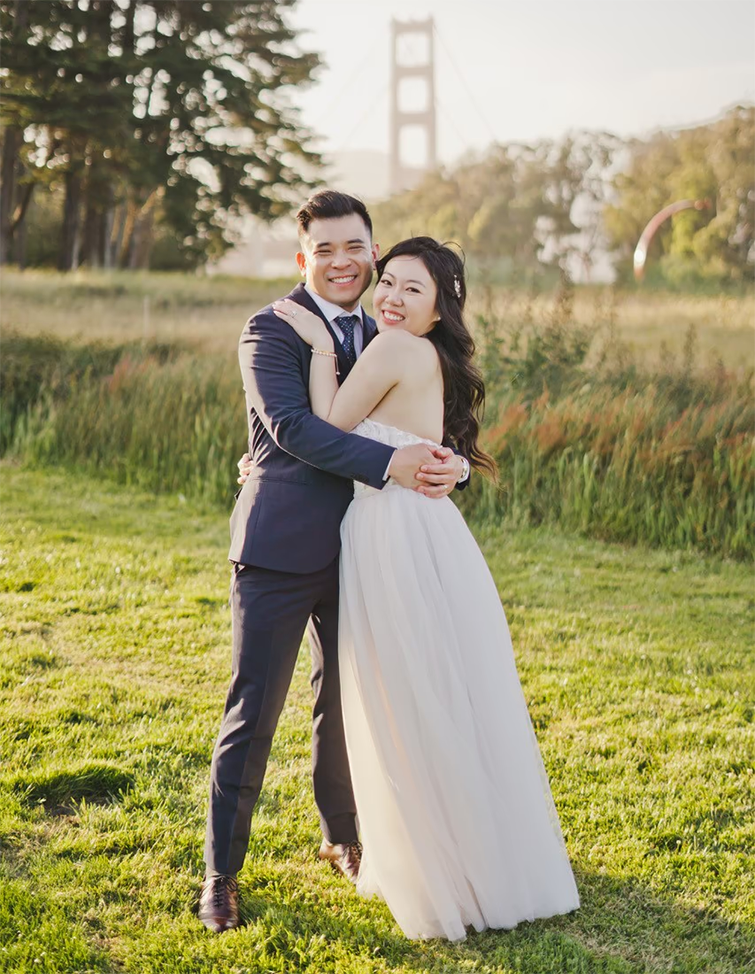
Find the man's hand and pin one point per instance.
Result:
(245, 466)
(440, 478)
(405, 464)
(432, 471)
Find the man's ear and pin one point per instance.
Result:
(301, 260)
(375, 252)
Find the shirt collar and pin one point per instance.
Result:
(330, 310)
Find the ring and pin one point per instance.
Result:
(293, 314)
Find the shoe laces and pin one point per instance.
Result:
(221, 886)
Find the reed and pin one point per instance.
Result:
(584, 437)
(158, 417)
(630, 467)
(615, 451)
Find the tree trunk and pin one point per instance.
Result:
(135, 244)
(11, 142)
(107, 220)
(145, 238)
(127, 233)
(128, 28)
(19, 245)
(19, 214)
(116, 246)
(139, 224)
(71, 243)
(90, 248)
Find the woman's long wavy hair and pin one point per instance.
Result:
(463, 387)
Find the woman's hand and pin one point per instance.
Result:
(308, 326)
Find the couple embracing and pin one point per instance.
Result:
(427, 775)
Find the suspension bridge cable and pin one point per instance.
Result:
(448, 117)
(463, 80)
(362, 117)
(348, 88)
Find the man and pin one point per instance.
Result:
(285, 543)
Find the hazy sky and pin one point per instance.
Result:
(535, 68)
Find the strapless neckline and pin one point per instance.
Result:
(389, 434)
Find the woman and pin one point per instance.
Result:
(457, 820)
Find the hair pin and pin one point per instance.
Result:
(457, 287)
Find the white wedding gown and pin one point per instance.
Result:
(456, 816)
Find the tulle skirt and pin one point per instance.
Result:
(456, 815)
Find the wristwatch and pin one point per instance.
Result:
(464, 469)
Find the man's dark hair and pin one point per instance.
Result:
(328, 204)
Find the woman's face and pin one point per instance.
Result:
(405, 297)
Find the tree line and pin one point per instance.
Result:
(140, 133)
(714, 162)
(518, 209)
(146, 119)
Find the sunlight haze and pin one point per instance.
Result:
(535, 69)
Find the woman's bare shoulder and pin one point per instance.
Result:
(412, 349)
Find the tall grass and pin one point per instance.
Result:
(583, 436)
(663, 455)
(626, 466)
(38, 373)
(159, 417)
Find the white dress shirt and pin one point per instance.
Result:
(333, 311)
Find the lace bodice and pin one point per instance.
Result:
(390, 435)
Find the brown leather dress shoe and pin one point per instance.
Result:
(345, 859)
(219, 903)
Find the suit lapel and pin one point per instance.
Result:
(370, 329)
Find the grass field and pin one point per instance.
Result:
(637, 666)
(210, 311)
(592, 426)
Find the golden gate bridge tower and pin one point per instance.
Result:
(412, 99)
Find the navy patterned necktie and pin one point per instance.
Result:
(347, 324)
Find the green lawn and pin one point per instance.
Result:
(638, 666)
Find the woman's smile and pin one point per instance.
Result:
(391, 317)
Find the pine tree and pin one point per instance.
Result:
(169, 110)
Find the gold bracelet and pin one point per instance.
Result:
(321, 351)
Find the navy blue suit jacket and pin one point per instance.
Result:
(288, 513)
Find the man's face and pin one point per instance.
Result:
(337, 259)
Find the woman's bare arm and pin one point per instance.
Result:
(377, 370)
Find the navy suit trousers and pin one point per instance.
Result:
(270, 612)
